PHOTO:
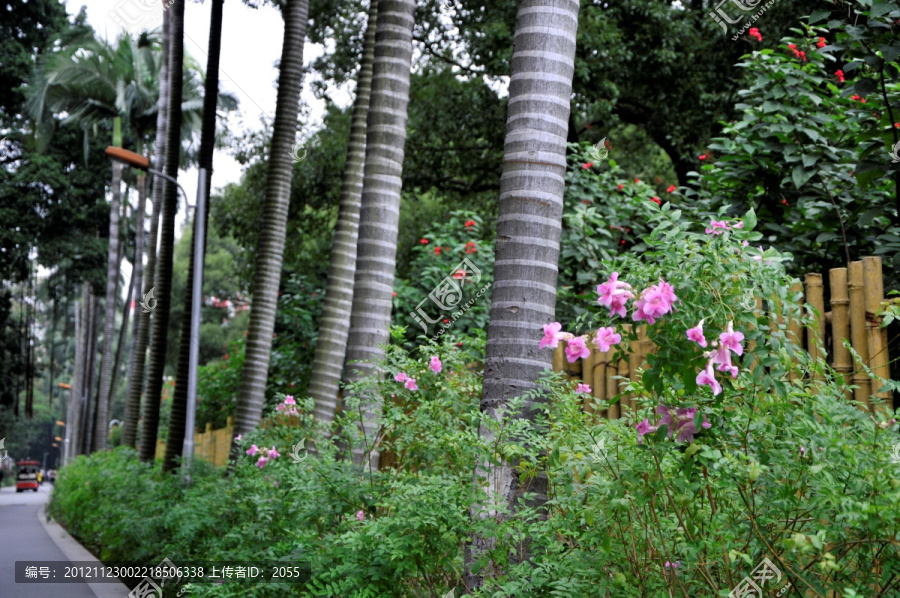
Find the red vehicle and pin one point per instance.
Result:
(27, 477)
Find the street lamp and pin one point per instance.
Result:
(139, 161)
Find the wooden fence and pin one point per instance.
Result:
(211, 445)
(857, 294)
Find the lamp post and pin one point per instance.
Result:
(139, 161)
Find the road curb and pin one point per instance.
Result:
(76, 552)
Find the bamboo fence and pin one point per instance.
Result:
(210, 445)
(857, 294)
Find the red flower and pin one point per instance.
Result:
(671, 189)
(754, 32)
(226, 356)
(622, 241)
(637, 180)
(470, 247)
(395, 294)
(840, 75)
(897, 125)
(854, 96)
(586, 165)
(437, 251)
(470, 223)
(785, 202)
(657, 200)
(702, 157)
(446, 321)
(621, 186)
(424, 241)
(585, 201)
(459, 344)
(821, 43)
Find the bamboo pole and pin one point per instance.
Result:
(795, 328)
(616, 411)
(609, 370)
(840, 323)
(559, 357)
(589, 369)
(858, 331)
(646, 346)
(815, 297)
(877, 336)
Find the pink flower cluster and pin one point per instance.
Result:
(729, 342)
(717, 227)
(288, 407)
(577, 347)
(410, 383)
(654, 302)
(436, 365)
(266, 454)
(680, 421)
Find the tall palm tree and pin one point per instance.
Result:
(334, 323)
(528, 225)
(163, 276)
(207, 144)
(270, 248)
(380, 211)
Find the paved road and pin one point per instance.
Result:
(24, 537)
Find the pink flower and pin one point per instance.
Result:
(401, 377)
(551, 335)
(739, 225)
(262, 462)
(360, 515)
(252, 450)
(577, 348)
(707, 377)
(289, 400)
(614, 294)
(732, 340)
(802, 451)
(644, 428)
(722, 358)
(696, 334)
(583, 388)
(655, 302)
(238, 438)
(273, 453)
(606, 337)
(280, 407)
(716, 225)
(411, 384)
(436, 365)
(681, 422)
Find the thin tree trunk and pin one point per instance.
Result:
(91, 402)
(160, 324)
(270, 248)
(51, 295)
(334, 324)
(120, 346)
(528, 233)
(29, 343)
(76, 398)
(137, 273)
(109, 330)
(138, 357)
(380, 211)
(207, 145)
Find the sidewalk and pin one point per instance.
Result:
(28, 536)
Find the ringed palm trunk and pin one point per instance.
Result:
(138, 357)
(163, 281)
(334, 324)
(528, 230)
(380, 211)
(109, 321)
(270, 248)
(76, 398)
(175, 443)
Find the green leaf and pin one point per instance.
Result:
(750, 220)
(819, 15)
(881, 8)
(801, 175)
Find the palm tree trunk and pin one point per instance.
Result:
(207, 145)
(109, 330)
(270, 249)
(380, 211)
(163, 286)
(334, 324)
(76, 398)
(90, 405)
(138, 357)
(528, 230)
